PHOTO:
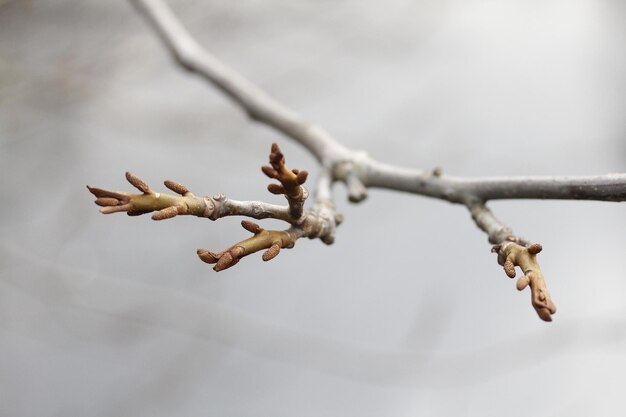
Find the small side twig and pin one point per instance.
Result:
(290, 182)
(272, 240)
(511, 255)
(319, 222)
(165, 206)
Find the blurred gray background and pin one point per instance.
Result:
(407, 314)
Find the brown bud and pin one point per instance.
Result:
(137, 183)
(509, 268)
(251, 227)
(301, 177)
(276, 189)
(107, 201)
(535, 248)
(225, 261)
(116, 209)
(269, 171)
(208, 256)
(522, 282)
(276, 156)
(176, 187)
(166, 213)
(98, 192)
(272, 252)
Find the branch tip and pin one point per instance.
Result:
(301, 176)
(512, 255)
(290, 180)
(164, 205)
(276, 156)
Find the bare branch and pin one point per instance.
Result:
(258, 104)
(356, 169)
(610, 187)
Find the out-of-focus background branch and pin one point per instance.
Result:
(117, 316)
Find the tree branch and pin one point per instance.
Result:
(319, 222)
(167, 206)
(610, 187)
(255, 102)
(354, 168)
